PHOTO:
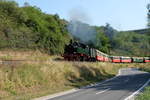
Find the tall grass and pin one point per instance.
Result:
(41, 74)
(145, 95)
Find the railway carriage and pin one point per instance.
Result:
(137, 59)
(115, 59)
(126, 59)
(146, 59)
(106, 58)
(99, 56)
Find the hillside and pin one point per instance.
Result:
(141, 31)
(29, 28)
(132, 43)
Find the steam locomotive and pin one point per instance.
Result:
(76, 51)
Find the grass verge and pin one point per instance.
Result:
(146, 93)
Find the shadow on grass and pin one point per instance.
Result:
(87, 75)
(128, 83)
(147, 69)
(58, 59)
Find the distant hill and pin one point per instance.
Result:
(132, 43)
(141, 31)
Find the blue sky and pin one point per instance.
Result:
(121, 14)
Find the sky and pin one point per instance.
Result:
(120, 14)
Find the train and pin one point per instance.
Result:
(76, 51)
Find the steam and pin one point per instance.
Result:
(79, 14)
(78, 27)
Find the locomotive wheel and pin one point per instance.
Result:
(81, 58)
(78, 58)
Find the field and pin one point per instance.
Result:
(36, 74)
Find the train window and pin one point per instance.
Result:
(116, 57)
(125, 58)
(147, 58)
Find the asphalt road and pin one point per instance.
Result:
(118, 88)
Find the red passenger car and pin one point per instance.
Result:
(146, 59)
(116, 59)
(100, 56)
(106, 58)
(126, 59)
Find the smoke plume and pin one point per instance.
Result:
(78, 27)
(79, 14)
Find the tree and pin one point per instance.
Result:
(132, 43)
(109, 31)
(148, 15)
(26, 4)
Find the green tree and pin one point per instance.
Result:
(29, 28)
(148, 15)
(131, 43)
(102, 41)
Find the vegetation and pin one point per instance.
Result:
(148, 15)
(132, 43)
(124, 43)
(146, 94)
(102, 42)
(146, 68)
(29, 28)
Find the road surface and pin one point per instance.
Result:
(118, 88)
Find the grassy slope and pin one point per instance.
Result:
(146, 94)
(42, 74)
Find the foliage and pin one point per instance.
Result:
(28, 27)
(109, 31)
(131, 43)
(145, 95)
(102, 41)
